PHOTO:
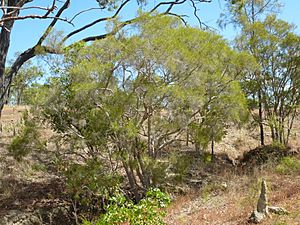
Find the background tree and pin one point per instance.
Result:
(277, 52)
(244, 15)
(27, 77)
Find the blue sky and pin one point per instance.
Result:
(26, 33)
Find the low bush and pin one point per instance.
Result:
(28, 140)
(123, 211)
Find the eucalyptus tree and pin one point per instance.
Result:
(125, 99)
(13, 11)
(272, 87)
(243, 15)
(277, 52)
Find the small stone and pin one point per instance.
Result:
(224, 185)
(278, 210)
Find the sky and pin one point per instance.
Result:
(26, 33)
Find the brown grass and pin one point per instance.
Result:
(235, 204)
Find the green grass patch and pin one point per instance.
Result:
(288, 165)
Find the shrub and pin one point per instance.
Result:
(90, 180)
(28, 140)
(124, 211)
(180, 165)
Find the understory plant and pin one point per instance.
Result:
(124, 211)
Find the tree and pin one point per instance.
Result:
(244, 15)
(21, 85)
(273, 86)
(127, 98)
(11, 12)
(278, 55)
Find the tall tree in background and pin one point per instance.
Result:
(244, 15)
(278, 54)
(273, 88)
(14, 10)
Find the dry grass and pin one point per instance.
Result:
(234, 205)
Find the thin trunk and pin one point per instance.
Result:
(260, 112)
(149, 125)
(187, 137)
(19, 97)
(272, 132)
(146, 176)
(212, 151)
(141, 171)
(131, 180)
(149, 136)
(290, 125)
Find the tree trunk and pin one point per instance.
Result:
(260, 112)
(4, 47)
(212, 150)
(187, 137)
(131, 179)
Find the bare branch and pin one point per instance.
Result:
(96, 22)
(24, 8)
(84, 11)
(33, 17)
(171, 4)
(124, 23)
(54, 21)
(181, 17)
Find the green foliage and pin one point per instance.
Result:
(288, 165)
(158, 171)
(281, 223)
(180, 165)
(28, 140)
(26, 78)
(278, 145)
(85, 181)
(147, 211)
(272, 85)
(207, 158)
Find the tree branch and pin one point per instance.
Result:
(96, 22)
(54, 21)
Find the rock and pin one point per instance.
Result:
(262, 203)
(262, 207)
(195, 182)
(15, 217)
(55, 216)
(278, 210)
(224, 185)
(256, 217)
(293, 151)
